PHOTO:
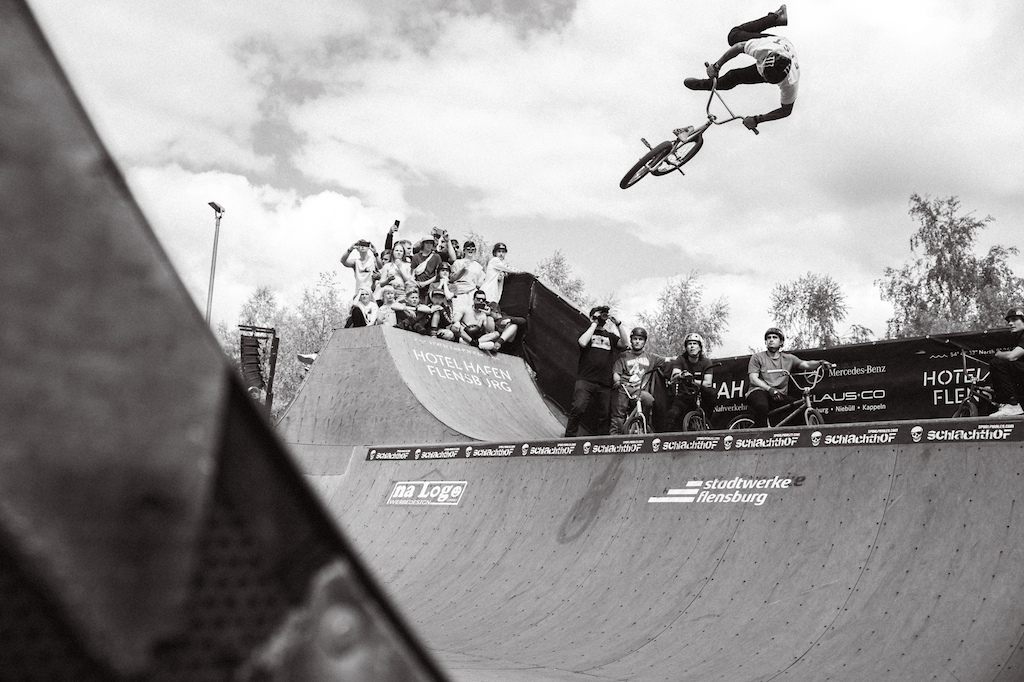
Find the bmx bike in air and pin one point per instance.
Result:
(671, 155)
(800, 407)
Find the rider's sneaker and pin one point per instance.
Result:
(781, 16)
(698, 83)
(1008, 410)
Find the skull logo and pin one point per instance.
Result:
(916, 433)
(586, 448)
(656, 444)
(526, 449)
(816, 438)
(728, 442)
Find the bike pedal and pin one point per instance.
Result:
(646, 143)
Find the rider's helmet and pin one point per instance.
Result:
(1014, 312)
(776, 331)
(776, 68)
(694, 337)
(638, 332)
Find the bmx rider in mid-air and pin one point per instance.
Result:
(775, 62)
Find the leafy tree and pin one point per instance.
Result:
(680, 311)
(557, 273)
(858, 334)
(946, 287)
(809, 309)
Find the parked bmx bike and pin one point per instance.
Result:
(801, 407)
(636, 421)
(671, 155)
(980, 398)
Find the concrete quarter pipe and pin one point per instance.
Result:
(875, 562)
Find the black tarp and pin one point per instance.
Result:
(918, 378)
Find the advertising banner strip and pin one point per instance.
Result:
(903, 433)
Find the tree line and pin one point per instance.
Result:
(945, 286)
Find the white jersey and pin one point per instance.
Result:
(760, 48)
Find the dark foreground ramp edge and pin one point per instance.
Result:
(151, 525)
(887, 551)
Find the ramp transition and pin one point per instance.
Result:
(886, 551)
(386, 385)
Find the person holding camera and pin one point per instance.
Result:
(365, 266)
(599, 344)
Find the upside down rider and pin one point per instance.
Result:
(775, 63)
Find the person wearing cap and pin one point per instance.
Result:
(1007, 369)
(505, 329)
(494, 273)
(365, 265)
(598, 346)
(769, 372)
(424, 264)
(467, 276)
(632, 369)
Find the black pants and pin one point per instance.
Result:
(747, 75)
(1007, 379)
(762, 402)
(583, 394)
(681, 404)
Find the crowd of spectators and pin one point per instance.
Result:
(433, 286)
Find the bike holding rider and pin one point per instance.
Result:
(1007, 369)
(775, 62)
(769, 372)
(695, 367)
(632, 369)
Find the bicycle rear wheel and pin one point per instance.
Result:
(694, 421)
(647, 162)
(686, 151)
(813, 417)
(744, 420)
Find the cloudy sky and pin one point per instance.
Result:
(318, 122)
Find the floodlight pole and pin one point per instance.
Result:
(218, 211)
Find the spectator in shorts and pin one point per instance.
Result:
(505, 329)
(467, 276)
(632, 369)
(364, 310)
(1007, 369)
(364, 263)
(476, 321)
(494, 273)
(597, 344)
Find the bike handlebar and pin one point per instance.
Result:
(714, 93)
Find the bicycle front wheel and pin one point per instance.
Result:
(646, 164)
(637, 426)
(686, 151)
(813, 417)
(742, 421)
(694, 421)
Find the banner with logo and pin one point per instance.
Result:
(905, 433)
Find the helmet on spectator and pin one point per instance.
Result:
(436, 289)
(776, 68)
(694, 337)
(638, 332)
(1014, 312)
(777, 332)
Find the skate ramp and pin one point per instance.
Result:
(387, 385)
(895, 552)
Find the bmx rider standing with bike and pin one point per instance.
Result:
(1007, 369)
(769, 372)
(774, 62)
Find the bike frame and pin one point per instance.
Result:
(803, 403)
